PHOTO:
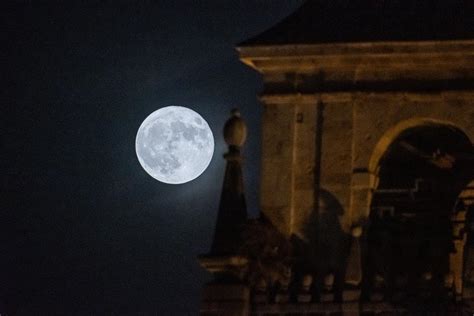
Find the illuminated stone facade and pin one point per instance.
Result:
(367, 191)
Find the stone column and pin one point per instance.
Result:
(456, 259)
(353, 277)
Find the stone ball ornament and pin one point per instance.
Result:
(356, 231)
(235, 130)
(329, 281)
(174, 145)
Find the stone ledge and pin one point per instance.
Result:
(382, 48)
(215, 264)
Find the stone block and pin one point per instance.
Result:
(304, 298)
(350, 295)
(376, 297)
(282, 298)
(327, 297)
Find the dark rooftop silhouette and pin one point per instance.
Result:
(330, 21)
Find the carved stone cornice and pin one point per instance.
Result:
(304, 56)
(378, 66)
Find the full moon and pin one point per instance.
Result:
(174, 145)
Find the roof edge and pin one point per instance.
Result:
(379, 47)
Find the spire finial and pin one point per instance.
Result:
(232, 209)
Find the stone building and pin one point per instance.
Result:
(367, 191)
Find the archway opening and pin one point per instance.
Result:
(410, 237)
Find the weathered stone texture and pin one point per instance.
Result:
(304, 167)
(376, 113)
(278, 139)
(370, 92)
(336, 152)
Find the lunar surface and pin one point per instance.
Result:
(174, 144)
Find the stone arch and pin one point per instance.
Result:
(418, 169)
(391, 135)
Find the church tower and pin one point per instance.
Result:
(367, 191)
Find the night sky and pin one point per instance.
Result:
(84, 230)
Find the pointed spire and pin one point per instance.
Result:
(232, 209)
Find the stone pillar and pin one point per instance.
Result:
(361, 193)
(353, 277)
(277, 174)
(468, 290)
(261, 295)
(456, 258)
(305, 295)
(327, 294)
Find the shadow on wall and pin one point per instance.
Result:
(326, 246)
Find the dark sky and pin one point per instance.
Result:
(84, 229)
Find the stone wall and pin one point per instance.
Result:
(331, 110)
